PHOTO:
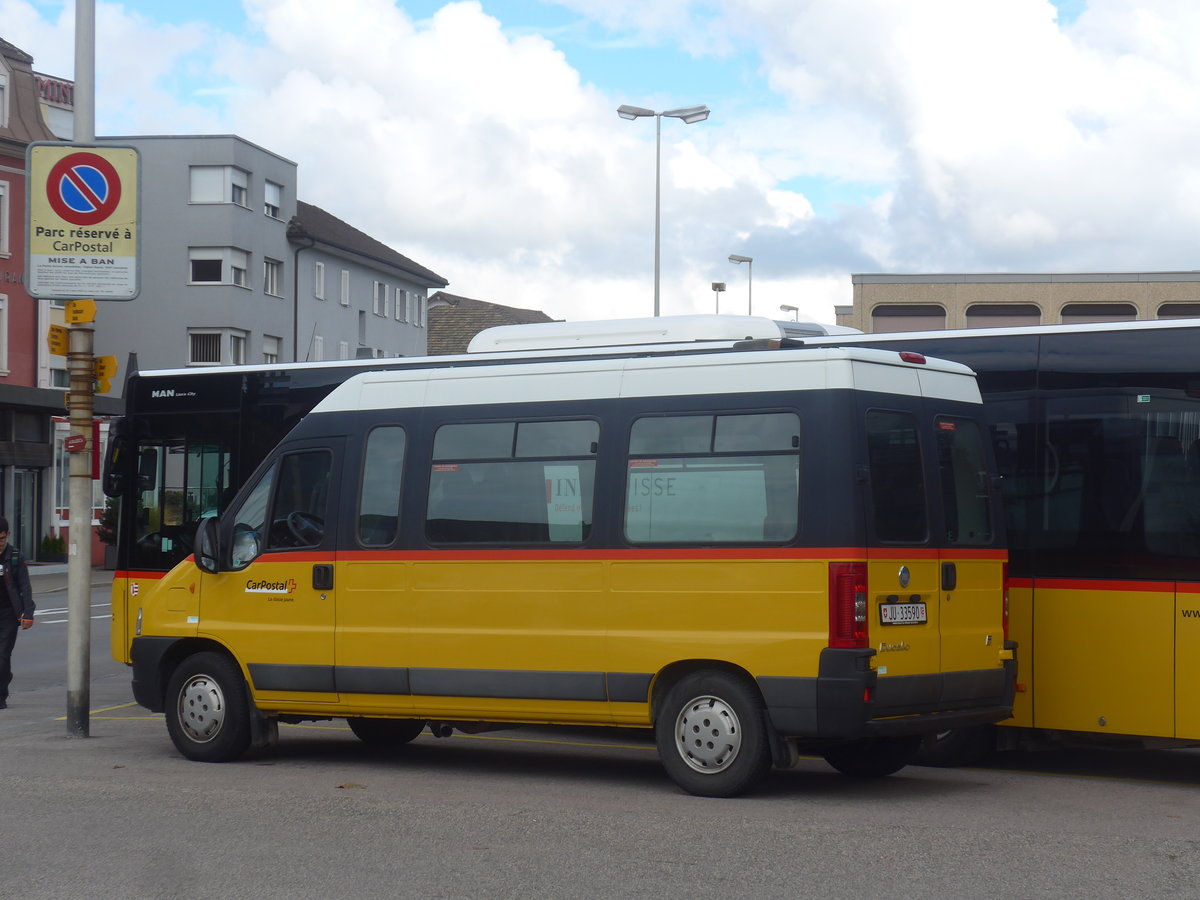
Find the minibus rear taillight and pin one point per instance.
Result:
(1004, 611)
(848, 604)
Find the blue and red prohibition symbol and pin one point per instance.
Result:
(83, 188)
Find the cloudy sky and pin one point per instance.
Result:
(480, 138)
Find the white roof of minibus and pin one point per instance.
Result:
(642, 375)
(637, 332)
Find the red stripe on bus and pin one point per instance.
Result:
(783, 553)
(1097, 584)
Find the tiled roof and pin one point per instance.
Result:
(453, 321)
(25, 122)
(325, 228)
(11, 51)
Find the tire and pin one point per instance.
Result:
(873, 757)
(712, 734)
(208, 714)
(958, 747)
(385, 732)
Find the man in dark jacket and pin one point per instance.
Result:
(16, 606)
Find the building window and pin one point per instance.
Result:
(401, 305)
(218, 265)
(204, 348)
(1082, 313)
(270, 349)
(272, 199)
(272, 270)
(343, 349)
(4, 334)
(1002, 315)
(60, 378)
(1179, 311)
(362, 328)
(237, 349)
(218, 184)
(379, 292)
(319, 281)
(3, 96)
(907, 317)
(3, 218)
(318, 348)
(239, 193)
(420, 301)
(239, 263)
(345, 296)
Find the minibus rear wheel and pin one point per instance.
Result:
(873, 757)
(385, 732)
(208, 714)
(712, 734)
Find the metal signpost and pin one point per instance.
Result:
(81, 241)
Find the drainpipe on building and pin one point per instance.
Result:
(295, 234)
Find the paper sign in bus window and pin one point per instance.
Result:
(690, 502)
(564, 503)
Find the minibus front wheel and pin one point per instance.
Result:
(208, 713)
(711, 732)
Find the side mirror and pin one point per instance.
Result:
(246, 547)
(207, 547)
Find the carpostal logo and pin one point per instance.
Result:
(271, 587)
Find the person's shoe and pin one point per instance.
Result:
(3, 704)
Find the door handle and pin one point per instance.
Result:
(322, 579)
(949, 576)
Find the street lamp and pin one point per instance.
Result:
(690, 115)
(718, 286)
(734, 258)
(794, 310)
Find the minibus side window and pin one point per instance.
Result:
(713, 479)
(897, 479)
(512, 482)
(965, 496)
(298, 513)
(379, 497)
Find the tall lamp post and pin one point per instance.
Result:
(718, 286)
(794, 310)
(734, 258)
(689, 114)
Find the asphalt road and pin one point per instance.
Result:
(550, 814)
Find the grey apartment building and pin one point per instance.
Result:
(235, 269)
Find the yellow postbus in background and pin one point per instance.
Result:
(752, 547)
(1096, 430)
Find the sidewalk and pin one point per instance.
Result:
(52, 578)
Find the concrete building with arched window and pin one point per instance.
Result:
(885, 302)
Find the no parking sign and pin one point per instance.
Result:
(82, 221)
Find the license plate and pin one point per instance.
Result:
(902, 613)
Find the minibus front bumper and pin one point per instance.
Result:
(848, 700)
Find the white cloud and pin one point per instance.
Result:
(943, 135)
